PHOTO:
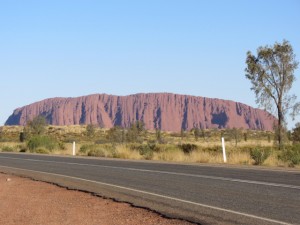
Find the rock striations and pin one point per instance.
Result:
(165, 111)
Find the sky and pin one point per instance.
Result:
(70, 48)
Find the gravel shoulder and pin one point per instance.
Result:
(24, 201)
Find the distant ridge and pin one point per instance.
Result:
(165, 111)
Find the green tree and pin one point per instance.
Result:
(90, 130)
(197, 133)
(1, 133)
(136, 132)
(296, 133)
(271, 73)
(37, 125)
(235, 134)
(22, 137)
(116, 134)
(182, 133)
(245, 136)
(158, 135)
(140, 126)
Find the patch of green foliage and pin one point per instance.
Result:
(98, 150)
(90, 130)
(37, 125)
(96, 153)
(259, 155)
(146, 151)
(291, 154)
(7, 149)
(188, 148)
(37, 141)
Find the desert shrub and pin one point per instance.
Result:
(296, 134)
(260, 155)
(22, 137)
(37, 125)
(154, 147)
(211, 149)
(116, 134)
(21, 148)
(291, 154)
(46, 142)
(84, 149)
(90, 130)
(24, 149)
(62, 146)
(188, 148)
(136, 133)
(7, 149)
(146, 151)
(105, 150)
(102, 141)
(96, 153)
(69, 139)
(133, 146)
(41, 151)
(168, 148)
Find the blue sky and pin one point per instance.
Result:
(74, 48)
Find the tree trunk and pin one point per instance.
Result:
(280, 128)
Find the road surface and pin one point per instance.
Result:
(199, 193)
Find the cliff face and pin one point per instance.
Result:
(169, 112)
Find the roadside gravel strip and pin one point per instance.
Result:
(24, 201)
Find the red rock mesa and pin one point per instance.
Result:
(165, 111)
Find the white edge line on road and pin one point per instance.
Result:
(158, 195)
(165, 172)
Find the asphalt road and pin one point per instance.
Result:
(198, 193)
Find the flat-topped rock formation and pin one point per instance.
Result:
(165, 111)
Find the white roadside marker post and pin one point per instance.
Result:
(74, 147)
(224, 153)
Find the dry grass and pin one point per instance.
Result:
(209, 149)
(68, 149)
(167, 153)
(175, 156)
(205, 157)
(10, 144)
(239, 158)
(125, 153)
(273, 160)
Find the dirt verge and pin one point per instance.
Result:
(24, 201)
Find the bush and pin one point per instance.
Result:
(90, 130)
(188, 148)
(260, 155)
(146, 151)
(36, 142)
(62, 146)
(154, 147)
(105, 150)
(213, 149)
(22, 137)
(84, 149)
(23, 150)
(37, 125)
(96, 153)
(291, 154)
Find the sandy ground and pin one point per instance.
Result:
(24, 201)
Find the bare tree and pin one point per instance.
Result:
(271, 73)
(37, 125)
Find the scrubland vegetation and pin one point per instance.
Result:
(247, 147)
